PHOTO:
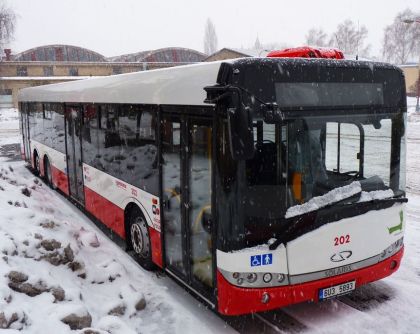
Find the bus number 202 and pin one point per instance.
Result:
(341, 240)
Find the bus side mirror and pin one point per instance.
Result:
(241, 133)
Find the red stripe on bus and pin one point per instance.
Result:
(107, 212)
(156, 243)
(233, 300)
(60, 180)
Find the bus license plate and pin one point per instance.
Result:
(337, 290)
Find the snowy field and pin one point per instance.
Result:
(58, 271)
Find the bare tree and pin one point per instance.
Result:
(350, 38)
(210, 38)
(401, 40)
(316, 37)
(7, 24)
(257, 44)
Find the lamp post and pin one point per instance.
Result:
(411, 21)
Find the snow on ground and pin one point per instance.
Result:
(57, 270)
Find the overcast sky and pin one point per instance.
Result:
(115, 27)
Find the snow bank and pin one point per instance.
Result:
(335, 195)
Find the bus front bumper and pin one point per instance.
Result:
(233, 300)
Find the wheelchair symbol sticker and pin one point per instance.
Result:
(255, 260)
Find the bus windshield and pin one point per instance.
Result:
(308, 157)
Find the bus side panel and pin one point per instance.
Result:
(108, 213)
(57, 162)
(156, 242)
(106, 197)
(60, 179)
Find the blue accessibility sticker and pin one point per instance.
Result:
(261, 260)
(267, 259)
(255, 260)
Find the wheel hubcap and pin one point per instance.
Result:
(140, 237)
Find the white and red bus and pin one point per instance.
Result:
(256, 183)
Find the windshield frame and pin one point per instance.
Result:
(233, 234)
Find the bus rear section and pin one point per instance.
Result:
(310, 202)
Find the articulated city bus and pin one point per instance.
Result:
(255, 183)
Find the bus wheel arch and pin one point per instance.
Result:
(138, 235)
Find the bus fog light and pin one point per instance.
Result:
(393, 265)
(251, 277)
(235, 275)
(265, 298)
(280, 278)
(240, 281)
(267, 278)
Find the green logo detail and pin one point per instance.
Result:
(399, 227)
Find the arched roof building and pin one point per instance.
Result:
(164, 55)
(59, 52)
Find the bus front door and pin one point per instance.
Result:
(74, 153)
(186, 145)
(25, 133)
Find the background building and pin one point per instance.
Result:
(59, 63)
(412, 75)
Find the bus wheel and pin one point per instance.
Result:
(139, 238)
(47, 172)
(37, 163)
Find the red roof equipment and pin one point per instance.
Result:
(307, 52)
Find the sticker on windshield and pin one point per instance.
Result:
(261, 260)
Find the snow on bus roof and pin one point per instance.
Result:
(180, 85)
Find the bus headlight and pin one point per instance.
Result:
(251, 277)
(393, 248)
(280, 278)
(267, 277)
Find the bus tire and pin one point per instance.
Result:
(139, 239)
(37, 164)
(47, 172)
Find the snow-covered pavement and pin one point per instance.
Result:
(56, 267)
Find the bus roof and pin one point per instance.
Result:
(180, 85)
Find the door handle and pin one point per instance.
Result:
(80, 163)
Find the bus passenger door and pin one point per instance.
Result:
(173, 196)
(74, 153)
(186, 146)
(198, 184)
(25, 133)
